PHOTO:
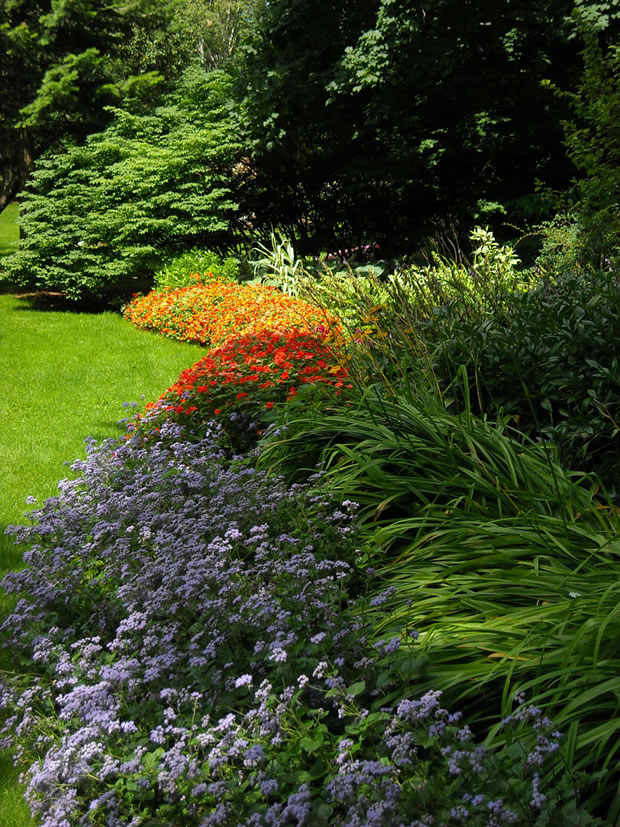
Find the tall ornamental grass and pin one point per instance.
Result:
(503, 565)
(539, 344)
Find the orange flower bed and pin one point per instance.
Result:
(210, 311)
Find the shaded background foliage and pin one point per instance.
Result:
(388, 119)
(383, 122)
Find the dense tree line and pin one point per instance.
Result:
(383, 121)
(64, 63)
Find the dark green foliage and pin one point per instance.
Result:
(62, 63)
(549, 357)
(149, 185)
(593, 144)
(302, 149)
(184, 269)
(384, 120)
(9, 233)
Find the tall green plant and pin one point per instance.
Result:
(592, 136)
(500, 565)
(62, 64)
(278, 265)
(394, 318)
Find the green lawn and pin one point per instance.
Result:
(65, 377)
(9, 231)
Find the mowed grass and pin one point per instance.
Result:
(9, 231)
(65, 377)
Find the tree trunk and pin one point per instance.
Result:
(15, 163)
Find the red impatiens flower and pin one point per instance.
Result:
(234, 374)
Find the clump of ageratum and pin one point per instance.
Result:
(195, 629)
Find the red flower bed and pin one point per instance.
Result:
(240, 381)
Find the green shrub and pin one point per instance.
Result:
(562, 249)
(538, 345)
(179, 271)
(415, 291)
(550, 360)
(100, 218)
(395, 320)
(593, 145)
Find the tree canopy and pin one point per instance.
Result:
(392, 117)
(384, 122)
(63, 63)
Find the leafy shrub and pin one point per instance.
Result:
(415, 291)
(551, 361)
(99, 217)
(195, 659)
(562, 246)
(211, 310)
(240, 381)
(394, 322)
(593, 145)
(181, 271)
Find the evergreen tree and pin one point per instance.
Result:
(100, 217)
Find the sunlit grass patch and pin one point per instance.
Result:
(9, 231)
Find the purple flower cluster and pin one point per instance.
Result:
(198, 656)
(166, 578)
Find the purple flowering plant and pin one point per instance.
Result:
(198, 653)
